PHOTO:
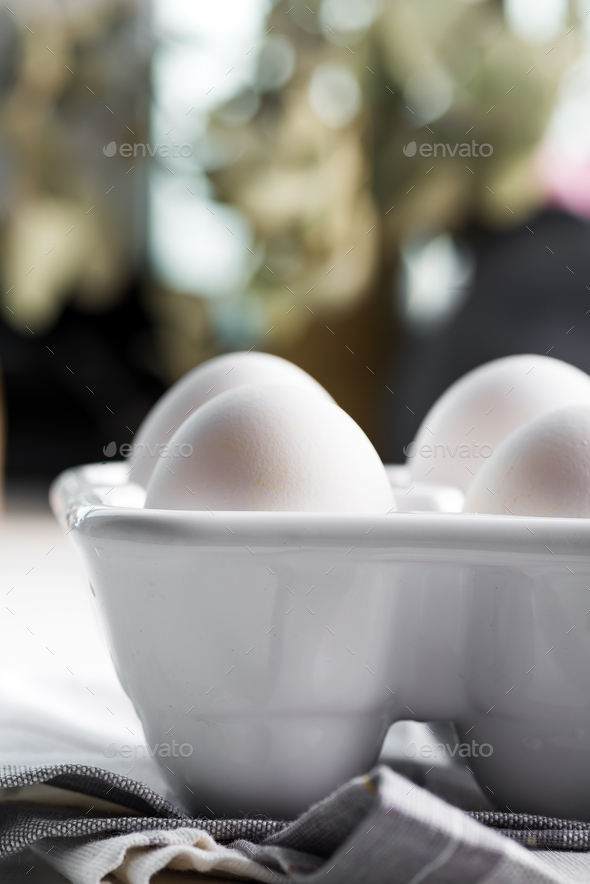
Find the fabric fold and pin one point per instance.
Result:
(376, 829)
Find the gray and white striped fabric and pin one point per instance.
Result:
(93, 825)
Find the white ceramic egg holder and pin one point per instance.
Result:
(281, 646)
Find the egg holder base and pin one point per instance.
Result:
(272, 651)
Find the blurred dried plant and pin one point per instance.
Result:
(311, 152)
(69, 229)
(307, 155)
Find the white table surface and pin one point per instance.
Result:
(60, 698)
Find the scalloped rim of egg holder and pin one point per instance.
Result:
(478, 619)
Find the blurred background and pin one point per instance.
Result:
(386, 192)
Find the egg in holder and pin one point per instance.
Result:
(278, 647)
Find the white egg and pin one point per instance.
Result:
(200, 385)
(265, 447)
(540, 469)
(471, 418)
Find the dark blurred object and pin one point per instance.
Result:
(70, 392)
(530, 295)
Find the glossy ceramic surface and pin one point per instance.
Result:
(275, 649)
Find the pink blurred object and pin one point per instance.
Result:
(566, 180)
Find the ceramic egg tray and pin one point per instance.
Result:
(281, 646)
